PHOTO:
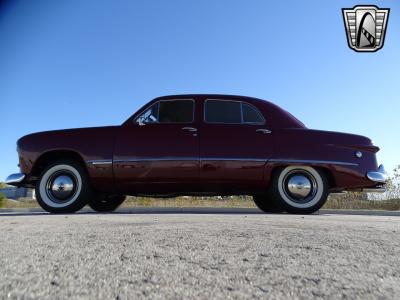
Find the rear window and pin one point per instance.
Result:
(231, 112)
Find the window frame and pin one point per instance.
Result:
(241, 113)
(166, 100)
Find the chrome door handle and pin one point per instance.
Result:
(191, 129)
(265, 131)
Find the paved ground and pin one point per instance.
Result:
(206, 256)
(208, 210)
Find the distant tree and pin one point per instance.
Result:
(393, 185)
(2, 185)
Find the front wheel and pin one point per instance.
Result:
(63, 187)
(106, 203)
(299, 189)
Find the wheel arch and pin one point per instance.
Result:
(53, 155)
(329, 176)
(325, 170)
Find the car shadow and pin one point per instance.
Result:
(188, 210)
(137, 210)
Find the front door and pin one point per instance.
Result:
(159, 152)
(235, 144)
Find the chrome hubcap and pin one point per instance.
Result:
(60, 187)
(300, 186)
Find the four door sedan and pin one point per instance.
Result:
(197, 145)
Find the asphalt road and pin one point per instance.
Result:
(204, 256)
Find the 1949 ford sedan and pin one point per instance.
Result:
(197, 145)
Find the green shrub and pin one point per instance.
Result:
(2, 200)
(2, 185)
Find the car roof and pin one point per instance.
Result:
(276, 113)
(212, 96)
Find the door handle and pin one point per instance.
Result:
(190, 129)
(265, 131)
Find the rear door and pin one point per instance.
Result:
(235, 144)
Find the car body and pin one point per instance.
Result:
(202, 144)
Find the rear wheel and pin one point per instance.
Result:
(266, 204)
(299, 189)
(63, 187)
(105, 202)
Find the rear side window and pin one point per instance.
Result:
(217, 111)
(251, 114)
(169, 111)
(231, 112)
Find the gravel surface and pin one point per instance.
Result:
(204, 256)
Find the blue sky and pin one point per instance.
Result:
(67, 64)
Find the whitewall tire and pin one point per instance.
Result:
(299, 189)
(63, 187)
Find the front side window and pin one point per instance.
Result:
(231, 112)
(168, 111)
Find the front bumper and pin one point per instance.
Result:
(15, 179)
(379, 176)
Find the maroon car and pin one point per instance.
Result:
(197, 145)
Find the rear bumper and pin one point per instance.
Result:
(15, 179)
(379, 176)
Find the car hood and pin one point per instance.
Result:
(66, 138)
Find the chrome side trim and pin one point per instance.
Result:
(132, 160)
(307, 161)
(100, 161)
(234, 159)
(15, 178)
(189, 159)
(378, 176)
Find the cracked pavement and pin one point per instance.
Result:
(202, 256)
